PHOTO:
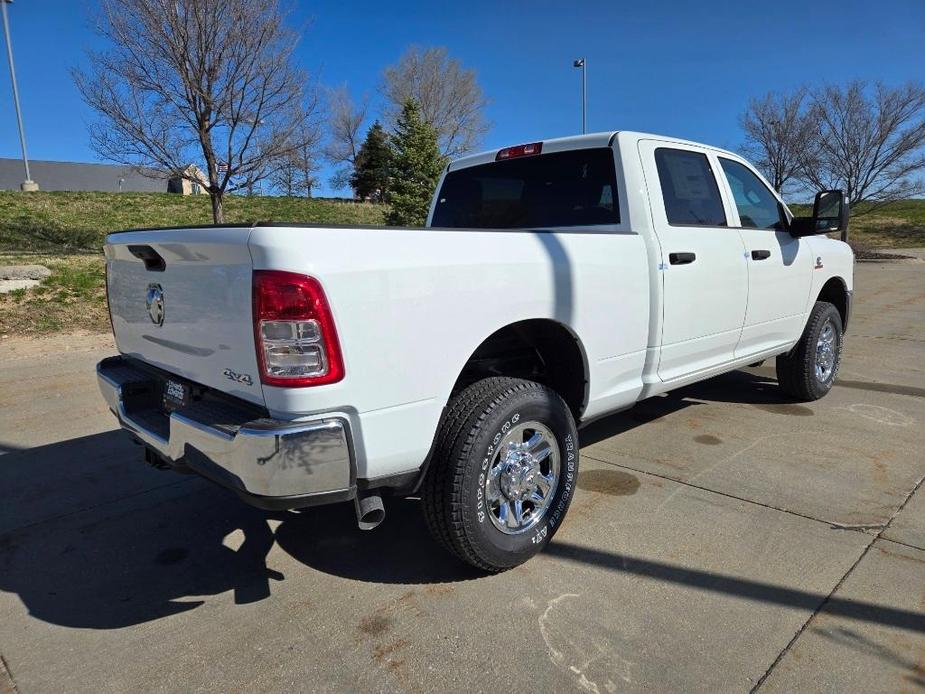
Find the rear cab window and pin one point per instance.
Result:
(689, 188)
(559, 189)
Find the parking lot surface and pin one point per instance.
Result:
(722, 539)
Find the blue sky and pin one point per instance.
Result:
(680, 68)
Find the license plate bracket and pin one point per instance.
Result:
(175, 395)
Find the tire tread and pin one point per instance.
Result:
(795, 369)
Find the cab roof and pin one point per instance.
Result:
(591, 140)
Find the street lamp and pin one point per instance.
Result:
(27, 185)
(582, 63)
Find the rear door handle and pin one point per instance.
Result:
(761, 255)
(681, 258)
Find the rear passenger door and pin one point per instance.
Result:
(703, 272)
(780, 267)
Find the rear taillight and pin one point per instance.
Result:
(519, 151)
(294, 331)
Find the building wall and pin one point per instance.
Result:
(68, 175)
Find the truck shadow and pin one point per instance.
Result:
(740, 387)
(398, 551)
(134, 548)
(92, 538)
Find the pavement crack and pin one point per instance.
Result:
(838, 585)
(857, 526)
(7, 683)
(901, 543)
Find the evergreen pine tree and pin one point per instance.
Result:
(416, 167)
(370, 178)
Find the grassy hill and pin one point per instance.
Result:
(901, 225)
(69, 222)
(77, 222)
(64, 231)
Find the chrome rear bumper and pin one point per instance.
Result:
(270, 463)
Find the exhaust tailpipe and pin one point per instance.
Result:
(370, 510)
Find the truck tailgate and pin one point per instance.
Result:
(180, 300)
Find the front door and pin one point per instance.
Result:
(704, 275)
(780, 266)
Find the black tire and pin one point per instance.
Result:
(454, 495)
(796, 370)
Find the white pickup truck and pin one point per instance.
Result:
(555, 282)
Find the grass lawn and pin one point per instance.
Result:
(901, 225)
(72, 298)
(898, 226)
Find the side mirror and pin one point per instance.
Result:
(830, 214)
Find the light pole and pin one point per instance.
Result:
(27, 185)
(582, 63)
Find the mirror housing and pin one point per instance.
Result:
(830, 215)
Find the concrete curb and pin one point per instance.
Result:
(24, 272)
(908, 261)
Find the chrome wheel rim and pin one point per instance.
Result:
(826, 352)
(522, 478)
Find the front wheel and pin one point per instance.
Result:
(808, 371)
(504, 472)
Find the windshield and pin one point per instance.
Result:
(573, 188)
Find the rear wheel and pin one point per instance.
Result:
(504, 472)
(809, 370)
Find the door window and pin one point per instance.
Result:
(757, 206)
(689, 188)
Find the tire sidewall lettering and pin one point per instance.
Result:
(481, 508)
(568, 480)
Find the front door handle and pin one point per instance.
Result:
(681, 258)
(761, 255)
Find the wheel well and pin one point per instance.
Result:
(835, 292)
(539, 350)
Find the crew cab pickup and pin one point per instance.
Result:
(555, 282)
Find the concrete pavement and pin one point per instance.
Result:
(722, 539)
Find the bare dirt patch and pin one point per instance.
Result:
(13, 347)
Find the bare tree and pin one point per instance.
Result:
(868, 141)
(197, 80)
(296, 172)
(449, 97)
(778, 134)
(346, 120)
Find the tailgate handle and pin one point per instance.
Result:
(152, 259)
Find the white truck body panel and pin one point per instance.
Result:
(411, 306)
(392, 291)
